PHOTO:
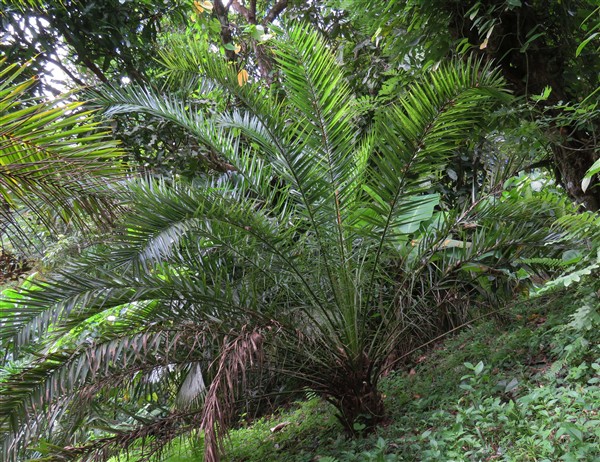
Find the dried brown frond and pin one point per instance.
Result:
(240, 353)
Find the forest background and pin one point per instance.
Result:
(221, 208)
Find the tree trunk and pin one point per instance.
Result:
(573, 156)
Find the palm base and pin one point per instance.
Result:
(359, 403)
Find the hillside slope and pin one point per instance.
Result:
(521, 388)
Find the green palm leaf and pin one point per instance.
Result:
(34, 397)
(54, 158)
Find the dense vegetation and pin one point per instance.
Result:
(248, 215)
(527, 394)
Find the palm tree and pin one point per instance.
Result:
(318, 253)
(56, 162)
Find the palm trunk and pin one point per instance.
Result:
(356, 397)
(361, 409)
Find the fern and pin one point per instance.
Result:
(554, 370)
(581, 229)
(585, 318)
(546, 263)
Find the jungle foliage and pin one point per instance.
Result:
(294, 199)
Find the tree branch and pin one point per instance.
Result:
(222, 13)
(252, 18)
(275, 12)
(83, 56)
(66, 70)
(245, 12)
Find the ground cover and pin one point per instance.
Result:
(521, 387)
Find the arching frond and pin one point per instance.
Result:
(55, 159)
(39, 394)
(418, 134)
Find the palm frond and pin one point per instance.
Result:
(585, 225)
(183, 58)
(168, 107)
(239, 353)
(54, 157)
(321, 99)
(148, 438)
(418, 134)
(41, 393)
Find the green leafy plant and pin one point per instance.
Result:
(303, 266)
(56, 161)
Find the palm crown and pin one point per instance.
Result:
(301, 261)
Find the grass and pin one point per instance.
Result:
(524, 388)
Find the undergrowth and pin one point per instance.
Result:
(524, 388)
